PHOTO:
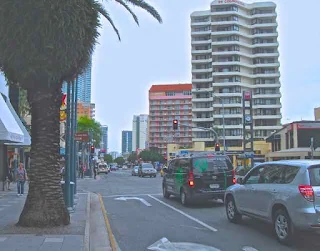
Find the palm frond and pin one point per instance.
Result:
(126, 6)
(103, 12)
(147, 7)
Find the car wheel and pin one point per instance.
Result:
(183, 198)
(232, 212)
(165, 192)
(283, 227)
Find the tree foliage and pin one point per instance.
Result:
(119, 160)
(132, 157)
(86, 124)
(108, 158)
(147, 155)
(42, 44)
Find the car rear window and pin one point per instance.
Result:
(314, 173)
(147, 166)
(212, 164)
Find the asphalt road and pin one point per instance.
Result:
(140, 216)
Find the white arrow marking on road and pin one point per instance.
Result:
(249, 249)
(134, 198)
(165, 245)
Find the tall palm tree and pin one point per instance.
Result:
(42, 44)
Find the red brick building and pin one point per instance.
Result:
(166, 103)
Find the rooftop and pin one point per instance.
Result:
(170, 87)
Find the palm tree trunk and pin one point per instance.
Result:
(45, 205)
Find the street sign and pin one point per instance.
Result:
(81, 136)
(247, 95)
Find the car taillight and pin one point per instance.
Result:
(307, 192)
(234, 180)
(191, 179)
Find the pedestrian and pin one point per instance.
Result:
(21, 177)
(95, 171)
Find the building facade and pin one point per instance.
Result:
(167, 103)
(13, 134)
(84, 84)
(317, 113)
(126, 142)
(235, 49)
(296, 140)
(139, 132)
(104, 138)
(85, 110)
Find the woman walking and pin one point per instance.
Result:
(21, 179)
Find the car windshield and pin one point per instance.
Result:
(314, 173)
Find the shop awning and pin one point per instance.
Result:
(10, 131)
(26, 136)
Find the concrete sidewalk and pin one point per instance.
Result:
(87, 230)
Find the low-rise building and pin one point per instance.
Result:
(296, 140)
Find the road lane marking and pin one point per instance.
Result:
(112, 240)
(134, 198)
(246, 248)
(128, 195)
(185, 214)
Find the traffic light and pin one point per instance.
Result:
(92, 149)
(175, 124)
(217, 148)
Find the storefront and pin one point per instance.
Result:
(12, 131)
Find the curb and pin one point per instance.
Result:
(87, 227)
(111, 237)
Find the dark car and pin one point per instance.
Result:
(198, 178)
(147, 169)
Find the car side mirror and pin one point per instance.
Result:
(240, 181)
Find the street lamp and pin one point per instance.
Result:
(223, 128)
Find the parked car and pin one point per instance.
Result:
(147, 169)
(135, 171)
(198, 178)
(284, 193)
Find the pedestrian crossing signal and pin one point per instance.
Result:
(92, 149)
(217, 148)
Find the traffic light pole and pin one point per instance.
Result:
(205, 129)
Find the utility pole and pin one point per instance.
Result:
(67, 161)
(76, 144)
(223, 123)
(312, 147)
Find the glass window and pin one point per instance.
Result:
(211, 164)
(272, 174)
(290, 172)
(254, 176)
(314, 173)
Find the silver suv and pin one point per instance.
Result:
(284, 193)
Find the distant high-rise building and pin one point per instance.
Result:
(115, 155)
(317, 113)
(139, 132)
(126, 142)
(104, 138)
(167, 103)
(85, 110)
(235, 49)
(84, 85)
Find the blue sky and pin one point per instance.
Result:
(160, 53)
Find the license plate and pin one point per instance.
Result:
(214, 185)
